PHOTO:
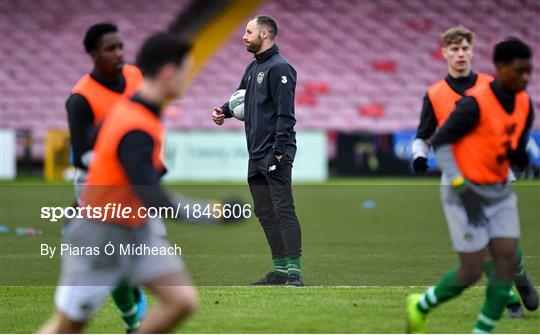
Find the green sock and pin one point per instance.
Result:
(512, 298)
(448, 287)
(280, 266)
(488, 270)
(497, 295)
(293, 266)
(520, 269)
(124, 298)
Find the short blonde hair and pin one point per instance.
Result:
(456, 35)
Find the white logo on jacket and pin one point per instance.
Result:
(284, 79)
(260, 77)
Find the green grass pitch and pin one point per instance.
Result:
(359, 262)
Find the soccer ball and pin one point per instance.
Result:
(236, 104)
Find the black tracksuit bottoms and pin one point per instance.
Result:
(274, 205)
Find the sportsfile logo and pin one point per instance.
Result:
(116, 211)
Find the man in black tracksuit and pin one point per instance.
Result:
(270, 83)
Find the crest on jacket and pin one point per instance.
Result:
(260, 77)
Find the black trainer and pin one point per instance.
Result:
(270, 279)
(294, 280)
(514, 311)
(527, 291)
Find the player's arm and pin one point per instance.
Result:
(81, 123)
(426, 129)
(224, 109)
(282, 88)
(460, 122)
(519, 158)
(135, 155)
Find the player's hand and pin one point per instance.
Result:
(217, 116)
(472, 202)
(420, 165)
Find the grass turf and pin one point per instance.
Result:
(377, 253)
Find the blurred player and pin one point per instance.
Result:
(440, 100)
(91, 99)
(125, 169)
(485, 134)
(270, 83)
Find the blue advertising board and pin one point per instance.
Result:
(402, 142)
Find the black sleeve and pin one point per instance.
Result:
(242, 85)
(81, 125)
(282, 87)
(460, 122)
(428, 121)
(226, 110)
(522, 143)
(135, 155)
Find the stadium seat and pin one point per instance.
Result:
(387, 54)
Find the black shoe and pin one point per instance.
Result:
(514, 311)
(294, 280)
(270, 279)
(527, 291)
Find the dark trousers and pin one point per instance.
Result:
(274, 205)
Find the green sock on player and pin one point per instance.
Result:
(124, 299)
(293, 267)
(488, 271)
(497, 295)
(520, 269)
(280, 266)
(448, 287)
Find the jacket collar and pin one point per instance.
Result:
(471, 78)
(264, 56)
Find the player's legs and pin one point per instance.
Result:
(125, 299)
(503, 251)
(450, 286)
(61, 324)
(124, 296)
(524, 285)
(470, 243)
(504, 232)
(75, 305)
(264, 211)
(283, 203)
(177, 299)
(513, 305)
(454, 281)
(166, 276)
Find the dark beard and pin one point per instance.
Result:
(253, 48)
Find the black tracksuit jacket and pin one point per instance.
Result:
(270, 83)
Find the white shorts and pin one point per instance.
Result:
(502, 221)
(86, 281)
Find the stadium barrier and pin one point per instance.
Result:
(8, 163)
(222, 155)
